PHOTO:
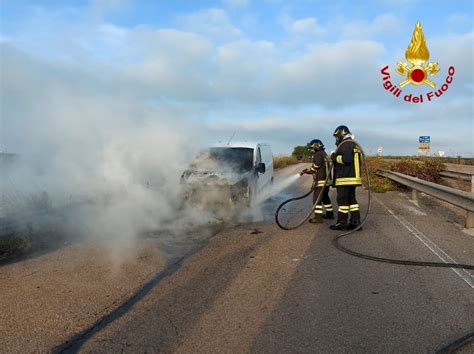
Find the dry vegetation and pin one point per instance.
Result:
(379, 184)
(14, 245)
(427, 169)
(423, 168)
(283, 161)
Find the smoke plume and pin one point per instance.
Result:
(108, 157)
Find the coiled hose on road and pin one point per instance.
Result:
(451, 347)
(336, 240)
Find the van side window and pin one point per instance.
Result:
(266, 154)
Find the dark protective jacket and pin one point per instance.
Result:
(320, 168)
(347, 164)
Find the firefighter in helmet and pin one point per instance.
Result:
(320, 169)
(347, 177)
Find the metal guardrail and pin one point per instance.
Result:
(464, 169)
(456, 175)
(461, 199)
(459, 172)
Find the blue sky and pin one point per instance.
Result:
(270, 70)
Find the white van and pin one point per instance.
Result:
(241, 170)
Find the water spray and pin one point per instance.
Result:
(277, 187)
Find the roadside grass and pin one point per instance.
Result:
(283, 161)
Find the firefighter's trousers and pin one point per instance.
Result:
(324, 202)
(347, 203)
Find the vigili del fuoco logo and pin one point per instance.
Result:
(416, 72)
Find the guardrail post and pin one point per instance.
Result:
(414, 195)
(469, 220)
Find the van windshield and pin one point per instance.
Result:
(239, 159)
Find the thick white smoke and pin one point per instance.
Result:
(84, 139)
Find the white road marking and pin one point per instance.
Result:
(433, 247)
(415, 210)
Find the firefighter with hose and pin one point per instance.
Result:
(320, 169)
(347, 163)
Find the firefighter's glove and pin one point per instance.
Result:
(306, 171)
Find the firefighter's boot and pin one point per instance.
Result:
(342, 214)
(329, 215)
(355, 220)
(316, 219)
(318, 215)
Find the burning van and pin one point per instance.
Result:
(228, 175)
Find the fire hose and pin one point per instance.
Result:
(451, 347)
(336, 240)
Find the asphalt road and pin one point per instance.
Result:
(255, 288)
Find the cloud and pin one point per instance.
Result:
(396, 129)
(182, 65)
(98, 9)
(459, 20)
(379, 27)
(214, 23)
(308, 26)
(206, 64)
(325, 75)
(105, 149)
(236, 2)
(455, 50)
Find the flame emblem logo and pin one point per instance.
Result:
(417, 54)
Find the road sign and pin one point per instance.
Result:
(424, 139)
(424, 146)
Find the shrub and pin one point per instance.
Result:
(426, 169)
(302, 152)
(15, 245)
